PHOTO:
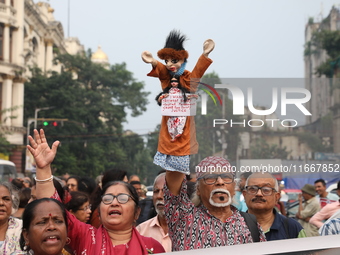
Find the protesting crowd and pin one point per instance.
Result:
(50, 215)
(112, 214)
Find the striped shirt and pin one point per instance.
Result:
(331, 228)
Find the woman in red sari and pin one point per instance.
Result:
(118, 211)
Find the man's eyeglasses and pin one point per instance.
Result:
(266, 191)
(210, 179)
(88, 207)
(72, 185)
(122, 198)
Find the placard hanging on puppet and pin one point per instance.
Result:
(174, 105)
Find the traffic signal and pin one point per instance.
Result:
(50, 123)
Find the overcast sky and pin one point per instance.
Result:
(254, 38)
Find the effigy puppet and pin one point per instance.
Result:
(177, 143)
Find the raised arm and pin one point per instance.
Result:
(208, 46)
(174, 181)
(43, 156)
(148, 58)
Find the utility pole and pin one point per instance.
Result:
(36, 115)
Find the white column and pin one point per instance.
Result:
(6, 48)
(18, 34)
(41, 54)
(6, 100)
(18, 103)
(49, 55)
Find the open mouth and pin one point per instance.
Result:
(52, 239)
(115, 212)
(160, 205)
(221, 195)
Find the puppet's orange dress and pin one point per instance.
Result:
(186, 144)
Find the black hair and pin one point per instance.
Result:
(175, 40)
(87, 185)
(17, 183)
(59, 188)
(113, 175)
(78, 198)
(132, 191)
(135, 182)
(166, 90)
(29, 214)
(24, 196)
(109, 176)
(74, 177)
(320, 180)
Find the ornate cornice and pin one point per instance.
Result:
(19, 80)
(7, 76)
(32, 13)
(11, 129)
(14, 66)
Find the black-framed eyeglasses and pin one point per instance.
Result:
(210, 179)
(88, 207)
(266, 191)
(122, 198)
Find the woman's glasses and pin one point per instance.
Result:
(122, 198)
(88, 207)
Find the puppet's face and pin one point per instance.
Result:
(174, 83)
(173, 65)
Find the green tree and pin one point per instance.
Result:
(330, 42)
(262, 150)
(5, 146)
(94, 100)
(210, 137)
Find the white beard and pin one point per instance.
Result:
(220, 204)
(159, 212)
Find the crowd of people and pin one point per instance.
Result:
(113, 215)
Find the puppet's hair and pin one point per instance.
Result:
(174, 47)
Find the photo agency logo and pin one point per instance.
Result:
(269, 102)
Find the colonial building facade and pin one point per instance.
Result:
(325, 95)
(29, 36)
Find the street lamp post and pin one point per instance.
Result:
(36, 114)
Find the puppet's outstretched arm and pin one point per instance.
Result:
(148, 58)
(208, 47)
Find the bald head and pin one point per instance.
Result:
(262, 176)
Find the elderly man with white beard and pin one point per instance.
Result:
(157, 227)
(209, 220)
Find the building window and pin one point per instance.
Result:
(2, 1)
(10, 45)
(1, 41)
(34, 45)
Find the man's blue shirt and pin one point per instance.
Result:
(283, 228)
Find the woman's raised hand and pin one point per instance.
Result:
(40, 150)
